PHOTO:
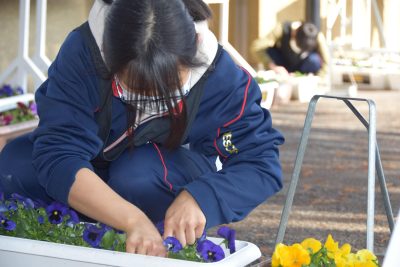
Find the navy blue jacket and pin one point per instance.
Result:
(230, 124)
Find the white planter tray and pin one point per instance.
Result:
(19, 252)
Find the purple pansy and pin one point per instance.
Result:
(12, 206)
(19, 91)
(106, 227)
(209, 251)
(6, 90)
(27, 202)
(56, 212)
(172, 244)
(93, 235)
(6, 223)
(229, 235)
(40, 219)
(202, 237)
(3, 208)
(33, 108)
(73, 217)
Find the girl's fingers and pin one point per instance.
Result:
(190, 236)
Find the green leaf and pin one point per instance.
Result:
(108, 240)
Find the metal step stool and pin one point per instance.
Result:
(374, 164)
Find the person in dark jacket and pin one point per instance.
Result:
(293, 47)
(138, 105)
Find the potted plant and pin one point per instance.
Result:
(311, 253)
(62, 239)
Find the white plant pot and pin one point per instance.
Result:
(268, 93)
(394, 80)
(19, 252)
(304, 87)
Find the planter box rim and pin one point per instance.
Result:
(17, 127)
(14, 248)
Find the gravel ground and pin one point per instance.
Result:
(331, 196)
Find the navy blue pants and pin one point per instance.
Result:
(137, 175)
(311, 64)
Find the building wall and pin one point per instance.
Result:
(260, 17)
(62, 17)
(249, 20)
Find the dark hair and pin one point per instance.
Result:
(306, 36)
(146, 43)
(197, 9)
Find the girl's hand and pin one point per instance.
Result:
(143, 238)
(184, 219)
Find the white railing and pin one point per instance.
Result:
(22, 66)
(17, 72)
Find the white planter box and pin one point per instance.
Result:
(366, 78)
(18, 252)
(9, 132)
(8, 103)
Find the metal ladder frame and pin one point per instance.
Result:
(374, 164)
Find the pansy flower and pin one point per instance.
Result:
(202, 237)
(6, 119)
(6, 91)
(27, 202)
(40, 219)
(19, 91)
(33, 108)
(172, 244)
(3, 208)
(6, 223)
(93, 235)
(12, 206)
(56, 212)
(230, 236)
(23, 107)
(209, 251)
(73, 218)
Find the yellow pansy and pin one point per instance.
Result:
(331, 246)
(366, 258)
(336, 253)
(365, 254)
(351, 260)
(311, 243)
(290, 256)
(276, 257)
(340, 255)
(345, 249)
